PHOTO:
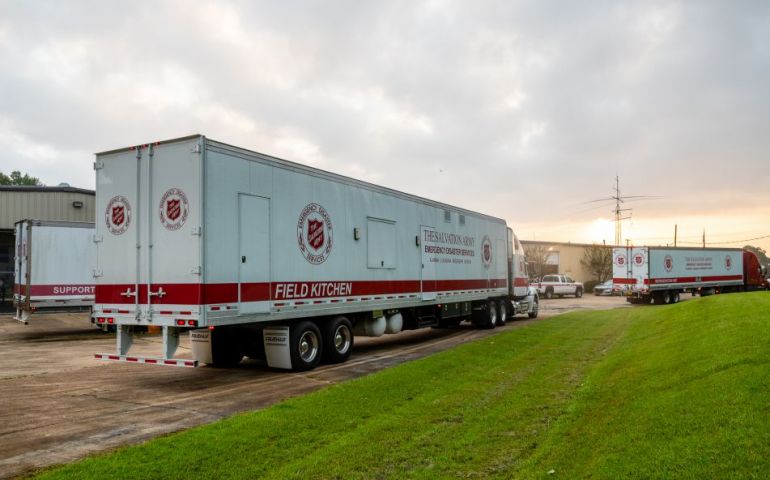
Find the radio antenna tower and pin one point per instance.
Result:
(619, 211)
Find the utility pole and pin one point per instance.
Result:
(675, 229)
(704, 237)
(619, 212)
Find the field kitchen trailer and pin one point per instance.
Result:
(660, 274)
(261, 257)
(53, 266)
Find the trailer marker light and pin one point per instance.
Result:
(192, 323)
(179, 322)
(110, 320)
(100, 319)
(211, 327)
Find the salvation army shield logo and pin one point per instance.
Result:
(315, 233)
(173, 209)
(728, 262)
(486, 251)
(638, 259)
(117, 215)
(620, 260)
(668, 263)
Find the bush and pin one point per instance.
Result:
(589, 285)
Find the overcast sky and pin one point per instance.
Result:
(522, 110)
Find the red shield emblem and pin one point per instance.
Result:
(118, 215)
(173, 209)
(315, 234)
(668, 263)
(487, 252)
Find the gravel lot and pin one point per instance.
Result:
(59, 404)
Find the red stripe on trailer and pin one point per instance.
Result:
(207, 294)
(713, 278)
(624, 281)
(520, 282)
(60, 290)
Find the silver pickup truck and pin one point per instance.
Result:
(558, 285)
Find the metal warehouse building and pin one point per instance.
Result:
(41, 203)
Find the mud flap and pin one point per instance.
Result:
(277, 350)
(200, 339)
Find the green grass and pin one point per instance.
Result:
(681, 391)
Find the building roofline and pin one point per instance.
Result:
(566, 244)
(43, 188)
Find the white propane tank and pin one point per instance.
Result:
(370, 327)
(394, 323)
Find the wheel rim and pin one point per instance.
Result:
(308, 346)
(342, 339)
(492, 315)
(503, 314)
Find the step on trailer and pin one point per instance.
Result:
(53, 266)
(660, 274)
(261, 257)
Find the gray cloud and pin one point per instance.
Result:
(519, 109)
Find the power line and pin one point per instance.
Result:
(731, 241)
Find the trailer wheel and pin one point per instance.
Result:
(675, 297)
(337, 340)
(502, 313)
(305, 345)
(535, 309)
(549, 293)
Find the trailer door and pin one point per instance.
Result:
(254, 254)
(428, 270)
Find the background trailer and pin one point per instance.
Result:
(195, 233)
(53, 266)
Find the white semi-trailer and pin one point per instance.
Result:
(258, 256)
(53, 266)
(660, 274)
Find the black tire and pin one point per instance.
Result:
(549, 293)
(675, 297)
(305, 346)
(337, 340)
(489, 320)
(502, 312)
(226, 348)
(535, 310)
(666, 297)
(578, 292)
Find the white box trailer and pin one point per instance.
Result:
(660, 274)
(53, 266)
(261, 256)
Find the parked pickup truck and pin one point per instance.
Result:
(559, 285)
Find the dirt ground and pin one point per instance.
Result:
(58, 404)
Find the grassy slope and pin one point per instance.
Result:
(657, 391)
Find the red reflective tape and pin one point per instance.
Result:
(215, 308)
(186, 312)
(113, 357)
(132, 359)
(123, 311)
(189, 364)
(520, 282)
(106, 310)
(96, 355)
(169, 362)
(166, 312)
(150, 360)
(624, 281)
